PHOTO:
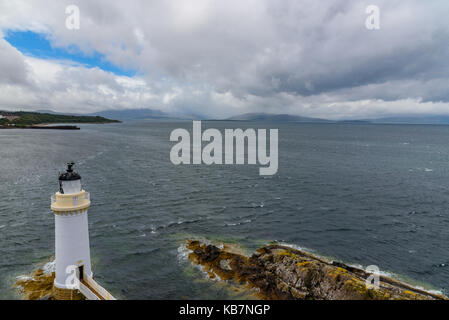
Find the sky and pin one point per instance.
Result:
(222, 58)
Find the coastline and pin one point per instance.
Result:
(41, 127)
(51, 126)
(274, 272)
(277, 272)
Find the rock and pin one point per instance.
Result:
(36, 286)
(225, 264)
(39, 286)
(279, 272)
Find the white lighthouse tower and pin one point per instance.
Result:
(72, 249)
(73, 267)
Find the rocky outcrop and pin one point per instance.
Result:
(39, 286)
(279, 272)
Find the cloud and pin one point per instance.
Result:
(219, 58)
(12, 66)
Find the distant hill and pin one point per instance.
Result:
(49, 116)
(354, 121)
(59, 113)
(437, 119)
(276, 118)
(133, 114)
(23, 119)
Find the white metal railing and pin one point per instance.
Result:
(87, 292)
(99, 289)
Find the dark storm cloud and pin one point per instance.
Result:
(219, 58)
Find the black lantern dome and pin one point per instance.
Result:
(69, 175)
(69, 181)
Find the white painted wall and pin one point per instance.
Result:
(72, 246)
(71, 240)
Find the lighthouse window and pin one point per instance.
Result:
(75, 200)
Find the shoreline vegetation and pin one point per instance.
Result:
(277, 272)
(47, 121)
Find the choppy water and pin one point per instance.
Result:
(363, 194)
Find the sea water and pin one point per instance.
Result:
(357, 193)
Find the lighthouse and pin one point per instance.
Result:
(72, 250)
(70, 205)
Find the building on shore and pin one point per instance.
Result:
(9, 117)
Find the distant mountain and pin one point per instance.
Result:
(133, 114)
(412, 119)
(58, 113)
(354, 121)
(437, 119)
(152, 114)
(275, 118)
